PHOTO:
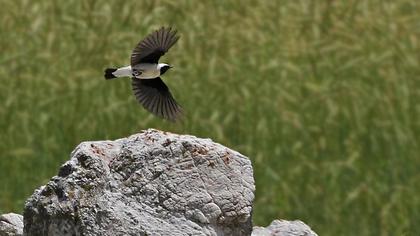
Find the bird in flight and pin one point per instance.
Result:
(145, 70)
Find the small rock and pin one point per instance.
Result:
(284, 228)
(11, 224)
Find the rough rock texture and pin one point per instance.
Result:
(11, 224)
(284, 228)
(152, 183)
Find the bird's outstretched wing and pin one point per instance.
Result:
(155, 97)
(155, 45)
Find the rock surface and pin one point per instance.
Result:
(284, 228)
(11, 224)
(152, 183)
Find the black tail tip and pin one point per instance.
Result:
(108, 73)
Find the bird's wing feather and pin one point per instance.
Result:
(155, 45)
(155, 97)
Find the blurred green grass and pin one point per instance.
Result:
(323, 96)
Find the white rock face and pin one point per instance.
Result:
(152, 183)
(284, 228)
(11, 224)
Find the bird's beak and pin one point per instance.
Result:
(171, 67)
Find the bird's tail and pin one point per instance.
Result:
(109, 73)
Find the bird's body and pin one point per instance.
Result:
(146, 70)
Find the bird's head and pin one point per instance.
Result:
(163, 68)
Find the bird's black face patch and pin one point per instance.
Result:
(163, 69)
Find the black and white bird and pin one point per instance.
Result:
(145, 70)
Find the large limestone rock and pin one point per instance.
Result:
(152, 183)
(11, 224)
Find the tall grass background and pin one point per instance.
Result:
(323, 96)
